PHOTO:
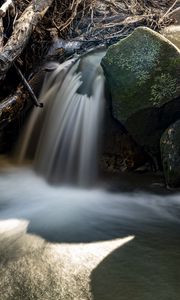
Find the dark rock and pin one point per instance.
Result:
(142, 72)
(119, 151)
(170, 153)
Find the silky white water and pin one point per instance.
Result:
(63, 138)
(25, 195)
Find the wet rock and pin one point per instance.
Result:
(142, 73)
(172, 33)
(170, 153)
(119, 152)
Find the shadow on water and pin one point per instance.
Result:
(144, 269)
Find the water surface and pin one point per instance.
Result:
(69, 243)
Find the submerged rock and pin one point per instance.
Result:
(142, 74)
(170, 153)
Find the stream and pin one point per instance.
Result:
(61, 242)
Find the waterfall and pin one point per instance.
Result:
(63, 137)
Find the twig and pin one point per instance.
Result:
(168, 11)
(128, 21)
(72, 17)
(175, 13)
(28, 88)
(1, 34)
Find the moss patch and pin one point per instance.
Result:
(142, 71)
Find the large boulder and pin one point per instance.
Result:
(142, 73)
(170, 154)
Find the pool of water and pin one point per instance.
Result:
(70, 243)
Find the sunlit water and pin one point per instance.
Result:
(132, 250)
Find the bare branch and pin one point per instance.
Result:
(1, 34)
(175, 14)
(12, 106)
(7, 5)
(28, 88)
(169, 10)
(21, 34)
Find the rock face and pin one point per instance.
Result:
(142, 73)
(119, 152)
(170, 153)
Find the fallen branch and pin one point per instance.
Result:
(19, 101)
(129, 21)
(1, 34)
(8, 4)
(21, 34)
(11, 107)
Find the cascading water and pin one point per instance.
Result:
(63, 138)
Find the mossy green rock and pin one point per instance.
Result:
(143, 75)
(170, 154)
